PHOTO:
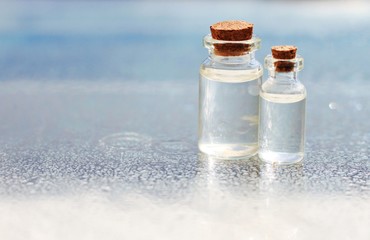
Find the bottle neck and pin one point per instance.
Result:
(284, 70)
(291, 76)
(231, 52)
(242, 59)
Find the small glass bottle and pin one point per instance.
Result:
(228, 92)
(282, 108)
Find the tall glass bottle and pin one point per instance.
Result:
(282, 108)
(228, 98)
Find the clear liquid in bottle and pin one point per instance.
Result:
(281, 130)
(228, 117)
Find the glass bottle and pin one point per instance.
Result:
(282, 112)
(228, 98)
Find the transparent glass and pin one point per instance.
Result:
(228, 101)
(282, 114)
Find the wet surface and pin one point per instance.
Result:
(117, 159)
(81, 154)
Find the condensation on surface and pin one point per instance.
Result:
(86, 166)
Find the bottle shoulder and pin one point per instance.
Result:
(287, 87)
(283, 92)
(222, 74)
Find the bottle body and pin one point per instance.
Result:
(282, 119)
(228, 106)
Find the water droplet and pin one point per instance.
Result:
(125, 140)
(333, 105)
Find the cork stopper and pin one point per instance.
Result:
(284, 52)
(232, 30)
(235, 30)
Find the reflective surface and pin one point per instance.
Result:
(116, 158)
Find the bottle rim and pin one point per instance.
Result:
(253, 44)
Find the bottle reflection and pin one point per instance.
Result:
(251, 196)
(279, 188)
(229, 177)
(280, 179)
(246, 177)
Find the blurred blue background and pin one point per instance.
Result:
(162, 40)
